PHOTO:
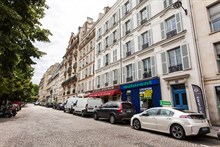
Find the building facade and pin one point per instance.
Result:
(86, 58)
(146, 46)
(207, 37)
(70, 60)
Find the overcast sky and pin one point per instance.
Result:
(62, 18)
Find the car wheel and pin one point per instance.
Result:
(112, 119)
(83, 114)
(177, 131)
(136, 124)
(96, 116)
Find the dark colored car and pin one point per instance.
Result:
(115, 111)
(60, 106)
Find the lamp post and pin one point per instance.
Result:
(178, 4)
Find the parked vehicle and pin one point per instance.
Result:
(19, 103)
(6, 111)
(86, 106)
(169, 120)
(68, 104)
(60, 106)
(115, 111)
(37, 103)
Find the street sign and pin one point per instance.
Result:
(165, 103)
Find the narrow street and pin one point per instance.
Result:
(36, 126)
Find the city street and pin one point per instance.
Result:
(36, 126)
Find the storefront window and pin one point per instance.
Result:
(146, 100)
(128, 93)
(114, 98)
(217, 89)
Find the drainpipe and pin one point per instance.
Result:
(198, 59)
(119, 23)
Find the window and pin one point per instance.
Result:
(114, 20)
(166, 112)
(127, 7)
(217, 48)
(115, 55)
(143, 15)
(147, 68)
(129, 72)
(145, 39)
(175, 60)
(106, 26)
(170, 25)
(99, 33)
(106, 42)
(106, 79)
(106, 58)
(99, 63)
(152, 112)
(167, 3)
(128, 47)
(127, 27)
(99, 48)
(98, 81)
(115, 75)
(114, 36)
(214, 13)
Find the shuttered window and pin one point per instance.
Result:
(214, 13)
(176, 59)
(217, 49)
(167, 3)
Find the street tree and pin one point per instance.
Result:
(20, 28)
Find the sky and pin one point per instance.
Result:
(62, 18)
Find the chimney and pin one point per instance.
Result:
(106, 9)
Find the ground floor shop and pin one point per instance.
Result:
(143, 94)
(107, 95)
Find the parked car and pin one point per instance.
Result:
(115, 111)
(172, 121)
(37, 103)
(86, 106)
(68, 104)
(60, 106)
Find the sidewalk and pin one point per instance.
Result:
(213, 132)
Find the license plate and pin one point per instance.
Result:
(129, 111)
(204, 129)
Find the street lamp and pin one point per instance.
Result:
(178, 4)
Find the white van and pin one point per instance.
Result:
(68, 104)
(86, 106)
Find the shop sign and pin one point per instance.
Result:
(139, 84)
(165, 103)
(145, 93)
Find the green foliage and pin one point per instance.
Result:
(20, 28)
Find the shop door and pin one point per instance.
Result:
(217, 89)
(179, 97)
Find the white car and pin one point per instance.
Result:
(172, 121)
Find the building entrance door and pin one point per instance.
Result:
(179, 97)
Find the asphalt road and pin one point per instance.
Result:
(36, 126)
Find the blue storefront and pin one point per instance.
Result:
(145, 93)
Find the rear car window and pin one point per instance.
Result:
(126, 105)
